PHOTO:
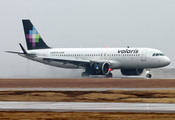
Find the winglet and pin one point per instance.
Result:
(24, 51)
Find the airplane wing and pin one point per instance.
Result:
(74, 61)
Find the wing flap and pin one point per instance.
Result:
(78, 62)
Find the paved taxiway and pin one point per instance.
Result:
(88, 107)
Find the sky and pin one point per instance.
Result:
(86, 24)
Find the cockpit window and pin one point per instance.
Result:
(158, 54)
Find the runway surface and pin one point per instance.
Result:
(86, 85)
(82, 89)
(87, 107)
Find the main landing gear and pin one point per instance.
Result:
(148, 75)
(85, 74)
(109, 75)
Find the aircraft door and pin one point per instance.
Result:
(143, 56)
(45, 53)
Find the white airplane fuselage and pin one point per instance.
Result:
(119, 58)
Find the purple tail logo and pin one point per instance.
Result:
(33, 37)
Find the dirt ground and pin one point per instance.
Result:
(141, 96)
(84, 116)
(154, 96)
(87, 83)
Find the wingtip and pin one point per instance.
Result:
(24, 51)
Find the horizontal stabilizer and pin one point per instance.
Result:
(14, 52)
(23, 51)
(20, 53)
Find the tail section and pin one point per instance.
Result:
(33, 39)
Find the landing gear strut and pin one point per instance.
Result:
(148, 75)
(109, 75)
(85, 74)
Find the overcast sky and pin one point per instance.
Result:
(84, 23)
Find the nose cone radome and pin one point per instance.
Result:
(166, 61)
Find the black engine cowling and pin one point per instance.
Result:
(100, 68)
(131, 71)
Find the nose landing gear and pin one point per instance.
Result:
(148, 75)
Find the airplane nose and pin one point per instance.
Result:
(167, 61)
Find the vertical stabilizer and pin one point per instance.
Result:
(33, 39)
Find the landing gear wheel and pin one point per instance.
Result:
(109, 75)
(148, 75)
(85, 74)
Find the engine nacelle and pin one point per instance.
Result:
(131, 71)
(100, 68)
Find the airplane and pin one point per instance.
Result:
(94, 61)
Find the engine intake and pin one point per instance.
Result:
(131, 71)
(100, 68)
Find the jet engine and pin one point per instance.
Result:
(100, 68)
(131, 71)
